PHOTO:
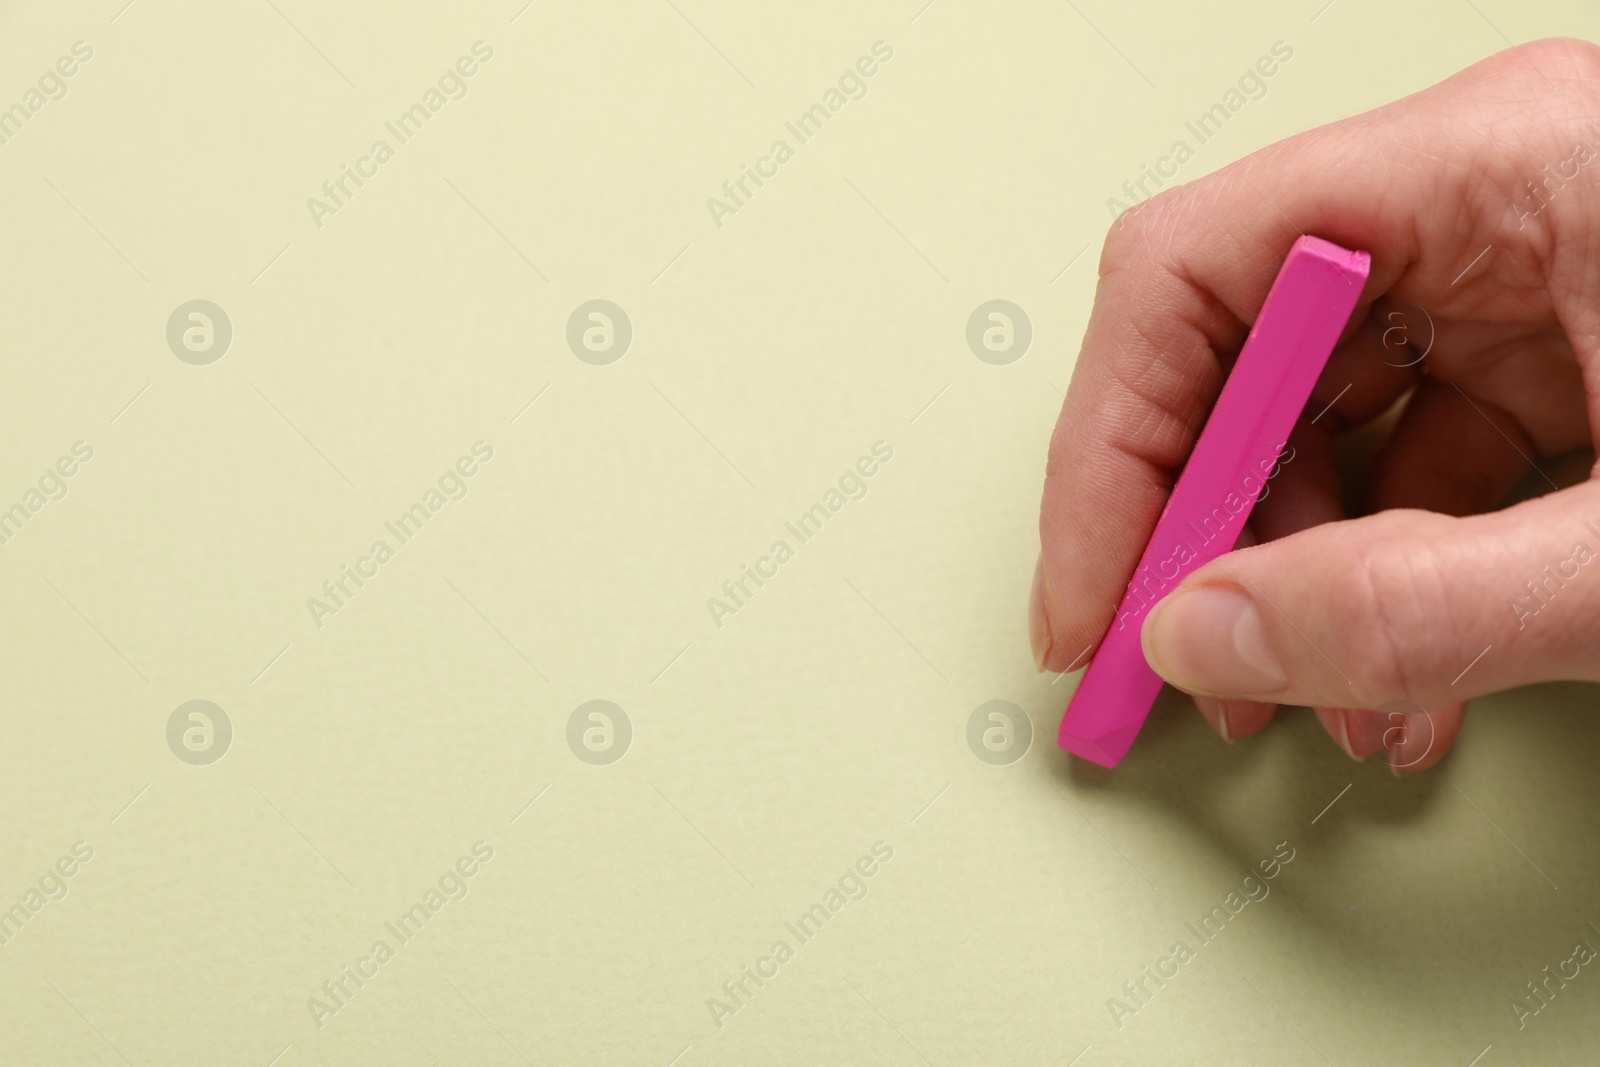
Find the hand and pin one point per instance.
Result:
(1479, 200)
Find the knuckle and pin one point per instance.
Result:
(1394, 604)
(1567, 65)
(1161, 406)
(1568, 55)
(1565, 55)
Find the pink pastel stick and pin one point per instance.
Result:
(1307, 308)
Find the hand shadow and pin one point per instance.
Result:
(1468, 854)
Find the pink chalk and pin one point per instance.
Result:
(1239, 448)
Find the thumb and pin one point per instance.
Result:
(1399, 606)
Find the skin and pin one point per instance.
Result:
(1386, 610)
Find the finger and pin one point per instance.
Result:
(1530, 367)
(1531, 372)
(1450, 453)
(1186, 271)
(1303, 492)
(1372, 367)
(1365, 730)
(1464, 443)
(1235, 719)
(1337, 722)
(1402, 605)
(1414, 740)
(1458, 455)
(1211, 710)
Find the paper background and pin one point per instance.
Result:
(768, 755)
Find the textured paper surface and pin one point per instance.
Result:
(371, 748)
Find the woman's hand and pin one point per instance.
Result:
(1479, 200)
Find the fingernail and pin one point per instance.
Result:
(1402, 749)
(1395, 753)
(1038, 618)
(1344, 735)
(1212, 640)
(1215, 713)
(1337, 722)
(1367, 731)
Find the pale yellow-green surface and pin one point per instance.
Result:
(768, 755)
